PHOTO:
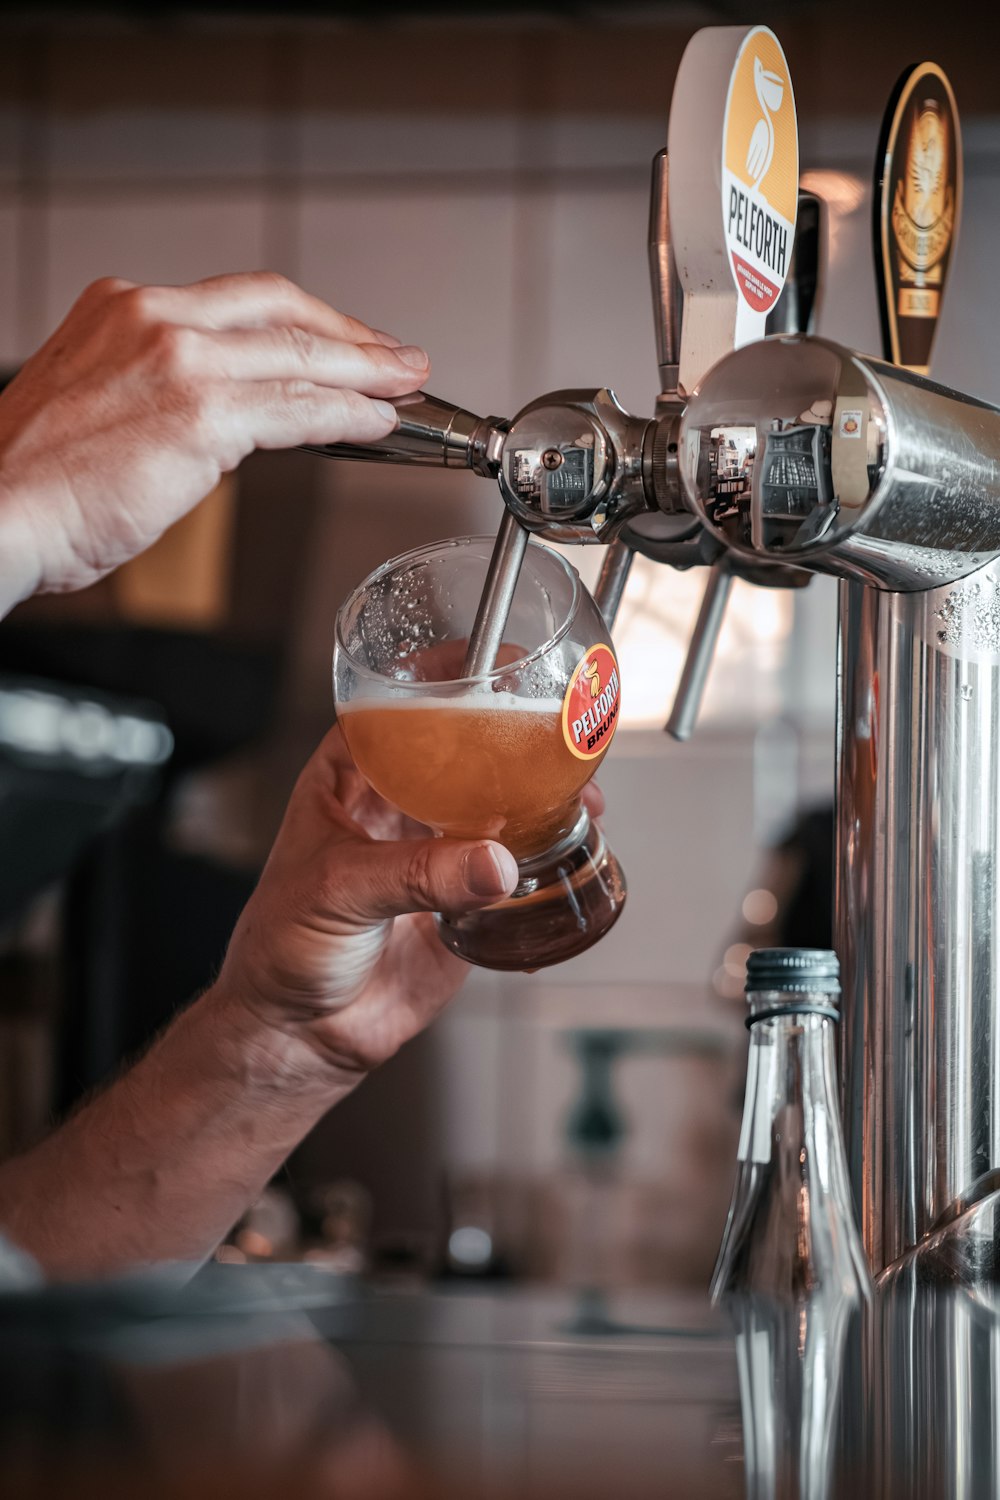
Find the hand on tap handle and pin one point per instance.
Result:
(428, 431)
(145, 396)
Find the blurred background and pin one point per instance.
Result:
(474, 179)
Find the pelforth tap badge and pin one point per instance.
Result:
(917, 206)
(734, 179)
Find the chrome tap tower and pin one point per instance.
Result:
(773, 460)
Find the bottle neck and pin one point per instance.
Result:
(791, 1080)
(790, 1231)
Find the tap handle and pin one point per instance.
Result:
(430, 431)
(922, 108)
(668, 297)
(691, 688)
(796, 309)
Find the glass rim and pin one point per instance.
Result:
(429, 549)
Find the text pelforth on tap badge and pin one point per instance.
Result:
(760, 170)
(590, 707)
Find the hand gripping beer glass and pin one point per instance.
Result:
(504, 755)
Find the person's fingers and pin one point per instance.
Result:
(284, 413)
(255, 299)
(368, 882)
(332, 753)
(293, 353)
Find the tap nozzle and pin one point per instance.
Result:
(432, 432)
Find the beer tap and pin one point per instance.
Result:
(572, 466)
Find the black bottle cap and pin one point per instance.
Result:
(794, 971)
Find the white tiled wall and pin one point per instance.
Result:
(176, 236)
(379, 143)
(597, 298)
(131, 144)
(967, 352)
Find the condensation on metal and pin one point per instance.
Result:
(968, 617)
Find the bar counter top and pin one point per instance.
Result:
(286, 1381)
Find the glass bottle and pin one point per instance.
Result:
(799, 1367)
(790, 1232)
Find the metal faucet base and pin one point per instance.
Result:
(963, 1252)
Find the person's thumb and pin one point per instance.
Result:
(388, 879)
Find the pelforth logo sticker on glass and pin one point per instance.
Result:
(760, 178)
(918, 194)
(590, 707)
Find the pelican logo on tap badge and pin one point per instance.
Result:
(760, 171)
(591, 703)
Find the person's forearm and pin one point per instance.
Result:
(160, 1165)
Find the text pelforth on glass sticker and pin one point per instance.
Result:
(591, 704)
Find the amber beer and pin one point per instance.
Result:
(490, 766)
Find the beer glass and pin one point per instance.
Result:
(504, 755)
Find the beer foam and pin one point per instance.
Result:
(475, 701)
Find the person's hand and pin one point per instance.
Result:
(337, 946)
(144, 396)
(334, 964)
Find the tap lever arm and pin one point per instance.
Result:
(668, 297)
(614, 575)
(572, 465)
(691, 688)
(497, 597)
(433, 432)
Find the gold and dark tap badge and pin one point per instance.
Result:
(918, 202)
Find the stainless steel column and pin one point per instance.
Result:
(918, 907)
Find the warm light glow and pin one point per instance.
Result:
(654, 627)
(252, 1242)
(760, 907)
(843, 194)
(729, 986)
(735, 959)
(843, 191)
